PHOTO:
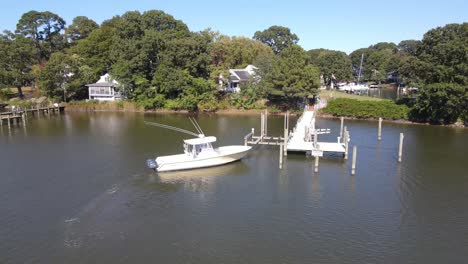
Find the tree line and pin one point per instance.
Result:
(159, 63)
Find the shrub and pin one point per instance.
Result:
(6, 94)
(366, 109)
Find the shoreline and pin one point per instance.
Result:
(251, 112)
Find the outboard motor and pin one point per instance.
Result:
(152, 164)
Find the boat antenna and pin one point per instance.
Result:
(172, 128)
(196, 125)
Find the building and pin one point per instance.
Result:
(239, 76)
(106, 89)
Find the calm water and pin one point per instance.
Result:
(75, 189)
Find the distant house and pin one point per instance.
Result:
(106, 89)
(239, 76)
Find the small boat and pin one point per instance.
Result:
(198, 152)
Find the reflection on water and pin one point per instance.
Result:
(75, 189)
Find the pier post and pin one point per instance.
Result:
(262, 124)
(8, 121)
(400, 148)
(287, 120)
(315, 138)
(379, 133)
(316, 164)
(285, 148)
(24, 119)
(345, 129)
(346, 135)
(353, 166)
(281, 156)
(266, 122)
(341, 126)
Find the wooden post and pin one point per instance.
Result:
(8, 120)
(281, 157)
(346, 135)
(285, 148)
(287, 120)
(266, 122)
(353, 166)
(379, 133)
(400, 148)
(262, 124)
(24, 119)
(316, 164)
(341, 126)
(315, 138)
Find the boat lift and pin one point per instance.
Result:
(303, 138)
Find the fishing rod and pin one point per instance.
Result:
(173, 128)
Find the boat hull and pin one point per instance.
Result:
(220, 156)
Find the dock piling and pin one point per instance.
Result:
(400, 148)
(341, 126)
(281, 157)
(353, 165)
(379, 133)
(316, 164)
(285, 148)
(346, 135)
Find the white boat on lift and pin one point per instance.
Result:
(198, 152)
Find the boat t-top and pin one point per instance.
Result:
(198, 152)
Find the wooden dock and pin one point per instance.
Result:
(16, 117)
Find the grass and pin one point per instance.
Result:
(333, 94)
(93, 105)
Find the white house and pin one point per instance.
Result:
(238, 76)
(106, 89)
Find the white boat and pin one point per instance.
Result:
(198, 152)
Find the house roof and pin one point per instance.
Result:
(243, 75)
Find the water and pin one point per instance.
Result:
(75, 189)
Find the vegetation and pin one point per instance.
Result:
(160, 63)
(366, 109)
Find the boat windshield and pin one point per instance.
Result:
(195, 150)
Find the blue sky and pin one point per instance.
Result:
(339, 25)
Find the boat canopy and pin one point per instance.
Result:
(200, 141)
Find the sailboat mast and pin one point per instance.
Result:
(360, 67)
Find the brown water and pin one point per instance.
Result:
(75, 189)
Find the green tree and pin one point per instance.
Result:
(235, 52)
(45, 29)
(440, 103)
(65, 76)
(331, 62)
(445, 50)
(409, 46)
(291, 75)
(18, 58)
(277, 37)
(80, 28)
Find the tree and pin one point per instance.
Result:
(409, 46)
(18, 57)
(331, 62)
(65, 76)
(44, 28)
(191, 53)
(440, 103)
(445, 50)
(291, 75)
(80, 28)
(235, 52)
(277, 37)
